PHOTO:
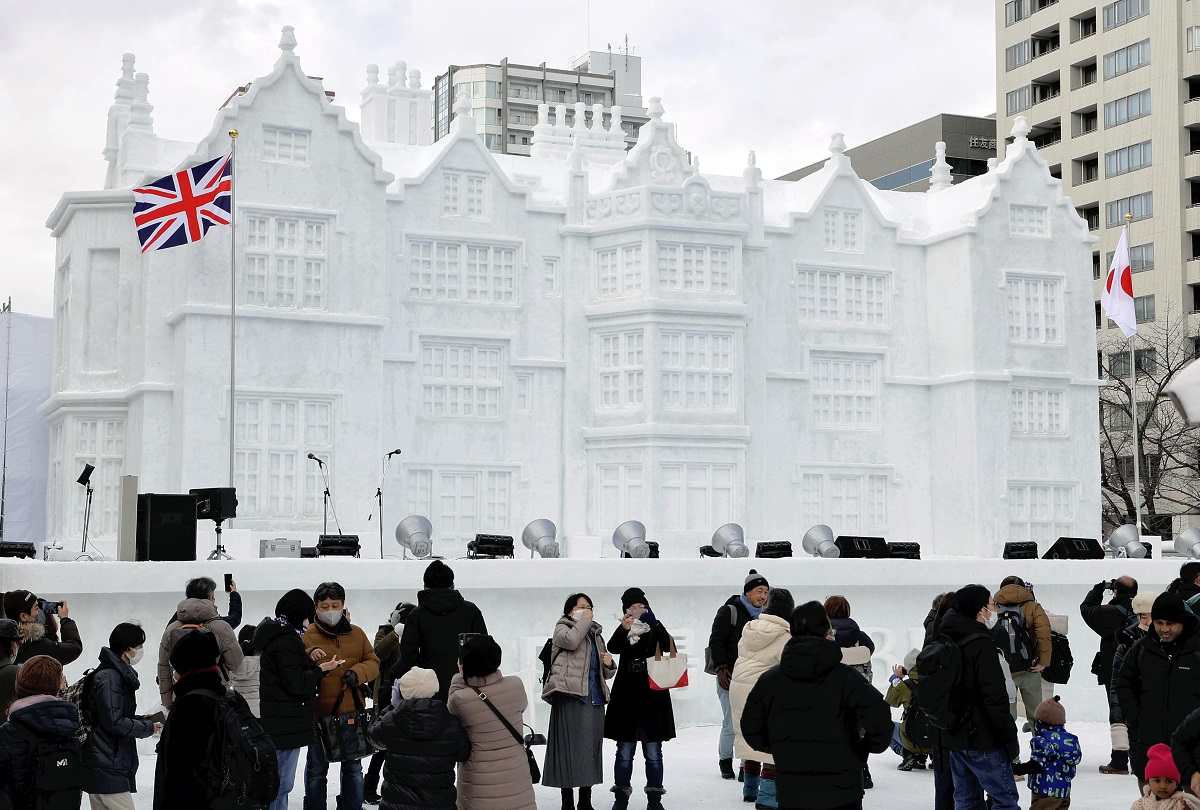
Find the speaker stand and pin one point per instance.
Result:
(219, 553)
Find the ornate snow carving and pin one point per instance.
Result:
(657, 159)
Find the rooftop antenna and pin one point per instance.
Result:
(627, 51)
(6, 309)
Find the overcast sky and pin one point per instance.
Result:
(776, 76)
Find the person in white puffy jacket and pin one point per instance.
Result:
(245, 679)
(759, 649)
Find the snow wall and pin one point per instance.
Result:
(521, 599)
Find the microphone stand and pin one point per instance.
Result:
(379, 496)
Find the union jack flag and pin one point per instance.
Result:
(180, 208)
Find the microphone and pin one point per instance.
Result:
(395, 452)
(311, 457)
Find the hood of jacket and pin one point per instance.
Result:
(1014, 595)
(958, 627)
(845, 631)
(269, 630)
(196, 611)
(205, 679)
(110, 660)
(440, 601)
(31, 631)
(53, 718)
(763, 632)
(421, 718)
(809, 658)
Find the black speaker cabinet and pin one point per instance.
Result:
(166, 527)
(1075, 548)
(1021, 550)
(904, 551)
(852, 547)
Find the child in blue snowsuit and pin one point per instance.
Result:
(1054, 754)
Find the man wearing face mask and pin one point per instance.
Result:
(984, 744)
(1106, 621)
(332, 638)
(110, 753)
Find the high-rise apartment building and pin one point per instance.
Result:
(1112, 90)
(505, 96)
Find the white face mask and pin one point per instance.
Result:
(136, 657)
(330, 618)
(578, 613)
(991, 621)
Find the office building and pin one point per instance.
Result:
(903, 160)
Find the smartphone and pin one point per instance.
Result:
(228, 583)
(50, 608)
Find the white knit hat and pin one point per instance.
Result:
(1143, 602)
(419, 683)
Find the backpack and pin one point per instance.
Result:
(547, 656)
(241, 753)
(1012, 637)
(59, 775)
(938, 694)
(709, 667)
(80, 694)
(1061, 659)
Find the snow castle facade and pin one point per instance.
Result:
(587, 334)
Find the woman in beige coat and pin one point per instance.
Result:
(496, 777)
(759, 649)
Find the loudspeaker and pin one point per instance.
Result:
(166, 527)
(215, 503)
(1021, 550)
(852, 547)
(337, 545)
(1075, 548)
(904, 551)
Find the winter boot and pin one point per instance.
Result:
(908, 762)
(568, 799)
(621, 797)
(654, 798)
(1118, 764)
(726, 768)
(867, 781)
(919, 761)
(585, 799)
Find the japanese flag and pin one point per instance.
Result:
(1118, 289)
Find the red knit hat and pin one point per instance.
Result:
(1161, 763)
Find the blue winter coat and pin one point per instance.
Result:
(1057, 751)
(111, 751)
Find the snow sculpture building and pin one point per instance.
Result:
(585, 334)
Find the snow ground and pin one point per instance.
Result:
(694, 784)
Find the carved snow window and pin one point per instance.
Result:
(1038, 412)
(845, 392)
(1040, 511)
(619, 271)
(272, 438)
(622, 369)
(551, 283)
(461, 271)
(62, 321)
(695, 268)
(851, 500)
(1028, 220)
(843, 229)
(283, 145)
(463, 194)
(695, 496)
(842, 296)
(1035, 309)
(460, 381)
(696, 370)
(462, 502)
(285, 262)
(619, 495)
(523, 396)
(99, 441)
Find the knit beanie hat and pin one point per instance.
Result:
(126, 636)
(810, 619)
(18, 602)
(1168, 607)
(9, 630)
(246, 638)
(439, 576)
(754, 580)
(910, 660)
(197, 650)
(296, 606)
(1050, 712)
(40, 675)
(419, 684)
(633, 596)
(780, 603)
(1143, 602)
(480, 657)
(971, 599)
(1160, 761)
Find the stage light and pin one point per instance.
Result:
(1125, 541)
(85, 476)
(773, 550)
(490, 547)
(414, 535)
(1020, 550)
(818, 541)
(730, 541)
(1187, 543)
(630, 539)
(539, 536)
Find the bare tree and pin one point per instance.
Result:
(1168, 463)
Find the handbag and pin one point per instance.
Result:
(344, 736)
(535, 773)
(667, 673)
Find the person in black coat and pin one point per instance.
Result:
(37, 720)
(1106, 621)
(10, 641)
(731, 619)
(111, 751)
(431, 633)
(637, 713)
(1159, 682)
(1187, 585)
(288, 684)
(40, 637)
(421, 742)
(817, 717)
(983, 748)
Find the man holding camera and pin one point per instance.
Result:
(39, 630)
(1106, 621)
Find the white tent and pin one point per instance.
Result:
(25, 377)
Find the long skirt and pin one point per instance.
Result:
(575, 745)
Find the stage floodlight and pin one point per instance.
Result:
(630, 539)
(730, 541)
(539, 536)
(773, 550)
(1125, 541)
(85, 476)
(1187, 543)
(818, 542)
(414, 533)
(490, 547)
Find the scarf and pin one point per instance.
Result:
(749, 606)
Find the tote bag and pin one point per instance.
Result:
(667, 673)
(343, 737)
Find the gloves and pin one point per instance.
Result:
(1027, 768)
(724, 677)
(350, 679)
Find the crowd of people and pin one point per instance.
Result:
(427, 704)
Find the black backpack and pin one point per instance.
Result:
(58, 774)
(939, 691)
(1061, 659)
(1012, 638)
(241, 753)
(547, 656)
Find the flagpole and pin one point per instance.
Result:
(1137, 442)
(233, 135)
